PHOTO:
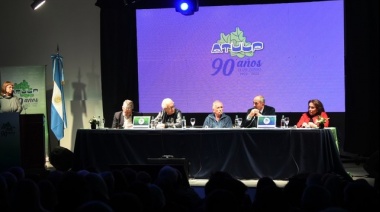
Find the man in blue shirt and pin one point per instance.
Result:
(217, 119)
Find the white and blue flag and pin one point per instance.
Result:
(58, 110)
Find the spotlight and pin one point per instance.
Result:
(186, 7)
(37, 4)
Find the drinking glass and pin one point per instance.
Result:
(153, 124)
(192, 121)
(25, 107)
(286, 122)
(240, 120)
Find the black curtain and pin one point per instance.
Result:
(119, 64)
(118, 56)
(362, 79)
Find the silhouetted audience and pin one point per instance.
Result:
(25, 196)
(128, 190)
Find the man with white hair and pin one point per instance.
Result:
(217, 119)
(169, 116)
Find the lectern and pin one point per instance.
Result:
(22, 141)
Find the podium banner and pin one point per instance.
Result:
(9, 140)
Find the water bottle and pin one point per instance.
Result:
(153, 123)
(99, 123)
(283, 121)
(183, 122)
(236, 121)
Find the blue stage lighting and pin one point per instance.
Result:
(186, 7)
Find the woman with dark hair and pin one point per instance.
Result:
(316, 114)
(9, 102)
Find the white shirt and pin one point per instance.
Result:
(127, 122)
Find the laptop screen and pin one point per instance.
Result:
(266, 121)
(141, 121)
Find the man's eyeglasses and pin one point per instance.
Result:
(169, 108)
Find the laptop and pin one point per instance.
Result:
(266, 121)
(141, 121)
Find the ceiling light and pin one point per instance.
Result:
(186, 7)
(37, 4)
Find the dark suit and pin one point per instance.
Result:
(268, 110)
(118, 119)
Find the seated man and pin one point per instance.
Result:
(217, 119)
(124, 119)
(169, 116)
(259, 109)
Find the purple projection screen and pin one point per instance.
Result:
(288, 52)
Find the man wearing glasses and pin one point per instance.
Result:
(169, 116)
(124, 119)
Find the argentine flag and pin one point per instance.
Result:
(58, 110)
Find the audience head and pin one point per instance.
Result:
(142, 191)
(109, 180)
(48, 193)
(10, 179)
(94, 205)
(72, 191)
(97, 187)
(359, 195)
(130, 174)
(144, 177)
(61, 158)
(18, 171)
(294, 188)
(223, 180)
(167, 175)
(127, 107)
(258, 102)
(315, 198)
(158, 197)
(221, 200)
(217, 108)
(315, 107)
(126, 201)
(168, 106)
(269, 197)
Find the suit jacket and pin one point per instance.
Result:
(268, 110)
(118, 119)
